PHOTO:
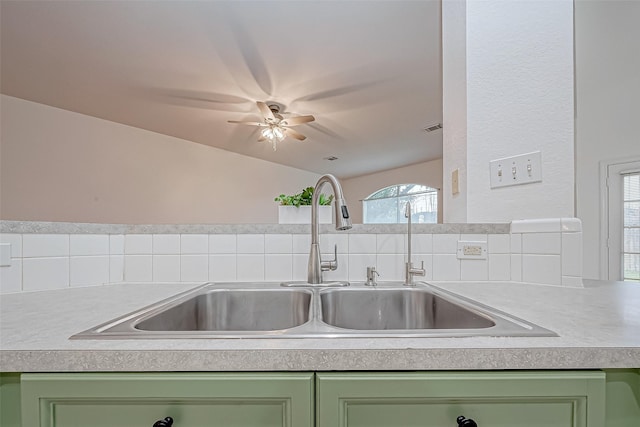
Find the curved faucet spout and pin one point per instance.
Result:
(343, 222)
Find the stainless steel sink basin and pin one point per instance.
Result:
(234, 310)
(259, 310)
(405, 308)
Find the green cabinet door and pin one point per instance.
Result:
(436, 399)
(192, 400)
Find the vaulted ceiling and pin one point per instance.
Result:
(369, 71)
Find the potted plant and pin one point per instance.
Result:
(296, 208)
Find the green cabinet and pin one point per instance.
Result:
(436, 399)
(139, 400)
(323, 399)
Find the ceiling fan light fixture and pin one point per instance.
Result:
(274, 134)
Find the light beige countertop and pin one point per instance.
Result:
(598, 327)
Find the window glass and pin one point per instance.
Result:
(631, 227)
(387, 205)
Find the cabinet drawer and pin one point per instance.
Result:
(502, 399)
(139, 400)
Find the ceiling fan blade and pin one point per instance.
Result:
(245, 122)
(298, 120)
(266, 111)
(261, 138)
(297, 135)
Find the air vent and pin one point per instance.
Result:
(331, 158)
(433, 127)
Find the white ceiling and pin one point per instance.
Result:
(369, 71)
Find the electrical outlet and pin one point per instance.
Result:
(472, 250)
(516, 170)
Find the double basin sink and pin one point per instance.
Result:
(258, 310)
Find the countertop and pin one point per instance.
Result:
(598, 326)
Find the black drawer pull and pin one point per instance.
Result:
(167, 422)
(465, 422)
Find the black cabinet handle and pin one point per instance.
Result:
(465, 422)
(167, 422)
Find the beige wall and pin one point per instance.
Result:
(426, 173)
(607, 93)
(57, 165)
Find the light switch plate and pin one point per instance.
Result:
(5, 254)
(516, 170)
(455, 183)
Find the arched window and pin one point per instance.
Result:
(386, 206)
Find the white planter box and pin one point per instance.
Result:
(302, 214)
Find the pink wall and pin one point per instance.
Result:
(56, 165)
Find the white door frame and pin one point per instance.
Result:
(611, 215)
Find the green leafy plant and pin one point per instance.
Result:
(303, 198)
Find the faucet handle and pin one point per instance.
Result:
(420, 271)
(332, 264)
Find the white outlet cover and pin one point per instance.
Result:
(516, 170)
(465, 248)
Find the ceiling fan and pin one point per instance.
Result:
(275, 126)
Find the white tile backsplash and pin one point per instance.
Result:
(278, 267)
(222, 244)
(166, 244)
(329, 241)
(362, 243)
(390, 243)
(138, 268)
(89, 270)
(138, 244)
(474, 270)
(541, 243)
(446, 267)
(541, 269)
(116, 244)
(301, 243)
(278, 243)
(45, 273)
(194, 268)
(63, 260)
(516, 243)
(166, 268)
(250, 243)
(116, 268)
(194, 244)
(45, 245)
(390, 267)
(250, 268)
(516, 267)
(544, 225)
(11, 277)
(572, 254)
(300, 266)
(222, 267)
(445, 243)
(88, 244)
(499, 267)
(422, 243)
(15, 240)
(499, 244)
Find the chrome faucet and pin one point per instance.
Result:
(409, 269)
(343, 222)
